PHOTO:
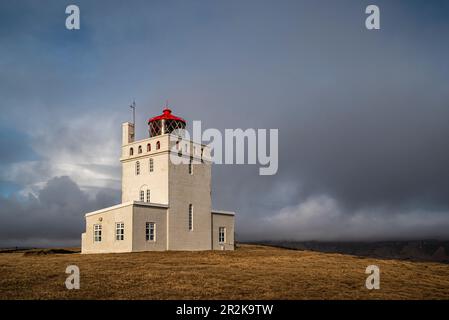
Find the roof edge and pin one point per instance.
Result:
(228, 213)
(126, 204)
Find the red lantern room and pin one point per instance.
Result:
(165, 123)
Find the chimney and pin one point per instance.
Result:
(127, 133)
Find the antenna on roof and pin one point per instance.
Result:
(133, 106)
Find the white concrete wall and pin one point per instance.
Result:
(127, 133)
(142, 215)
(156, 181)
(227, 221)
(134, 216)
(107, 218)
(185, 189)
(173, 185)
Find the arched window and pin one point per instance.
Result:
(139, 150)
(190, 217)
(144, 191)
(131, 151)
(178, 147)
(149, 147)
(137, 168)
(158, 145)
(151, 165)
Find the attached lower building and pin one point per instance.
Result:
(166, 197)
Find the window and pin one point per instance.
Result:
(151, 165)
(120, 231)
(149, 147)
(190, 166)
(148, 195)
(139, 150)
(178, 147)
(131, 151)
(158, 145)
(150, 233)
(190, 217)
(142, 196)
(137, 168)
(221, 234)
(97, 232)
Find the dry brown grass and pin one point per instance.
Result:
(250, 272)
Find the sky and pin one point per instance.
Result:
(363, 115)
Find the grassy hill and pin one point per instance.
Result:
(250, 272)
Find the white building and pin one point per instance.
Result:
(165, 206)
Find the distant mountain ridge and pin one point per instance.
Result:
(422, 250)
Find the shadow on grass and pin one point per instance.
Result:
(40, 252)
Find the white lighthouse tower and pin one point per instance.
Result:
(165, 206)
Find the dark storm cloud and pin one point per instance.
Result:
(368, 128)
(55, 216)
(376, 150)
(15, 146)
(363, 116)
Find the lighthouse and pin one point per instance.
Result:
(165, 205)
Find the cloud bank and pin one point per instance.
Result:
(54, 217)
(363, 116)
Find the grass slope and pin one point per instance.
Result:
(250, 272)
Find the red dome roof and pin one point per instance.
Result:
(166, 114)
